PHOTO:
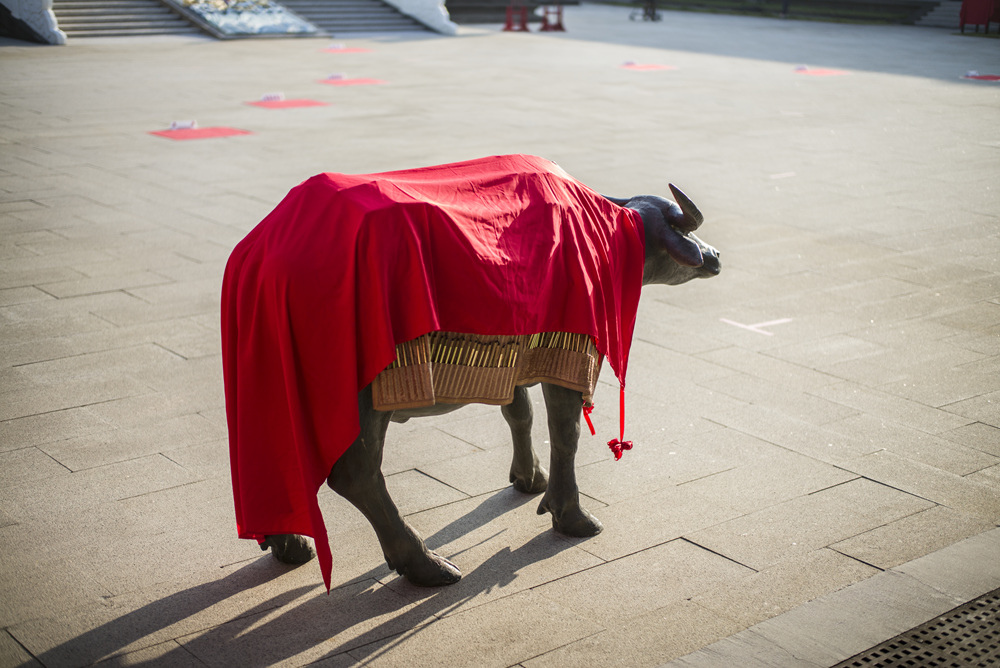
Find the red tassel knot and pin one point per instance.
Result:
(618, 446)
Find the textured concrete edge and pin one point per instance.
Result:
(839, 625)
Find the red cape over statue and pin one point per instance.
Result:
(317, 296)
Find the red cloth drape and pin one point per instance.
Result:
(979, 12)
(316, 297)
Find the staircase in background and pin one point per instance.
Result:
(118, 18)
(945, 15)
(340, 16)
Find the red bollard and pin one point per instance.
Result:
(553, 11)
(516, 11)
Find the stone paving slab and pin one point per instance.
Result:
(500, 634)
(860, 611)
(914, 444)
(668, 631)
(808, 523)
(816, 430)
(899, 542)
(836, 626)
(663, 574)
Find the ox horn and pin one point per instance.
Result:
(692, 218)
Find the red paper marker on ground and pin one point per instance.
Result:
(352, 82)
(343, 48)
(646, 67)
(819, 72)
(182, 134)
(286, 104)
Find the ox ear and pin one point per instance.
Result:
(692, 219)
(682, 249)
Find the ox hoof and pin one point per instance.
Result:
(534, 482)
(432, 570)
(289, 548)
(573, 521)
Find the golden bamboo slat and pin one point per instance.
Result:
(406, 383)
(446, 367)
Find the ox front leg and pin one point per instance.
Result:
(289, 548)
(526, 472)
(562, 498)
(357, 476)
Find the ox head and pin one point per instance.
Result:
(674, 255)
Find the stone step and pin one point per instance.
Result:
(341, 12)
(132, 31)
(314, 6)
(120, 22)
(66, 18)
(945, 15)
(119, 18)
(105, 5)
(86, 18)
(339, 16)
(75, 27)
(92, 10)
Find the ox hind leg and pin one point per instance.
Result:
(526, 473)
(562, 498)
(357, 476)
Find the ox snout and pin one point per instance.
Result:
(712, 265)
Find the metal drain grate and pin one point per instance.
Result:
(965, 637)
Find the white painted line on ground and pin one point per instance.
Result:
(759, 327)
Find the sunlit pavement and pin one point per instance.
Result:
(817, 429)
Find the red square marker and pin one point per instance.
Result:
(286, 104)
(819, 72)
(200, 133)
(346, 49)
(647, 67)
(352, 82)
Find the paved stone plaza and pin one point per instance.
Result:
(817, 460)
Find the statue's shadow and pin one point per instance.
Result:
(303, 623)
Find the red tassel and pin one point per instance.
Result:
(587, 410)
(619, 445)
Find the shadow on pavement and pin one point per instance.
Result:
(367, 614)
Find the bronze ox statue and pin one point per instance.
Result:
(673, 255)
